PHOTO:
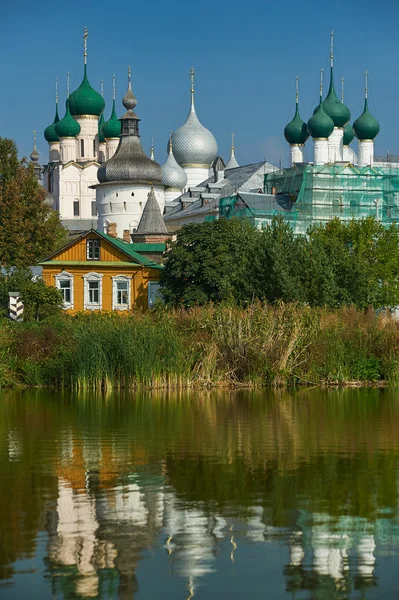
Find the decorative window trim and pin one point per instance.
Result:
(64, 275)
(150, 285)
(98, 245)
(93, 277)
(124, 278)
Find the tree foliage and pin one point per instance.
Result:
(29, 229)
(40, 301)
(337, 264)
(211, 262)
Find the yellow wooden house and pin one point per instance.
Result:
(98, 272)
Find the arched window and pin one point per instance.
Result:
(93, 208)
(76, 208)
(82, 148)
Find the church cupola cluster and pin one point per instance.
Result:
(331, 130)
(126, 179)
(194, 146)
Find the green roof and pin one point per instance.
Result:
(148, 247)
(335, 109)
(86, 100)
(84, 263)
(112, 127)
(127, 248)
(320, 125)
(67, 127)
(296, 132)
(49, 133)
(366, 127)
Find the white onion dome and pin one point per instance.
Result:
(173, 176)
(194, 144)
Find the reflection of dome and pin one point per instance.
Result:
(366, 127)
(194, 144)
(85, 100)
(173, 176)
(67, 127)
(49, 133)
(320, 125)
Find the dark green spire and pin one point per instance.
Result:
(335, 109)
(296, 131)
(67, 127)
(320, 125)
(366, 127)
(49, 133)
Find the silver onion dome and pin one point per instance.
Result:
(194, 144)
(130, 162)
(173, 176)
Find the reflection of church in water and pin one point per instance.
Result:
(99, 531)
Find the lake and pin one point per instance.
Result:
(200, 495)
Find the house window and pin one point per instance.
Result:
(93, 291)
(82, 148)
(93, 208)
(154, 293)
(64, 282)
(76, 208)
(121, 285)
(93, 249)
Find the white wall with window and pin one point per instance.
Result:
(93, 291)
(121, 292)
(154, 293)
(64, 282)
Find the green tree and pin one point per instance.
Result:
(40, 301)
(211, 262)
(280, 259)
(29, 229)
(361, 264)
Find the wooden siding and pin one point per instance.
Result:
(77, 252)
(139, 283)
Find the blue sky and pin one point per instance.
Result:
(245, 54)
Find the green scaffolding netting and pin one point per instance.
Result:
(310, 194)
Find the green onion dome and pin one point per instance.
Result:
(85, 100)
(296, 132)
(50, 133)
(320, 125)
(348, 134)
(101, 123)
(334, 108)
(112, 127)
(67, 127)
(366, 127)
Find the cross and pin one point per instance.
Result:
(342, 89)
(113, 87)
(296, 88)
(85, 36)
(332, 48)
(192, 73)
(56, 90)
(129, 75)
(102, 87)
(232, 140)
(366, 89)
(34, 138)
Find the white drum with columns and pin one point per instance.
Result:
(365, 152)
(335, 145)
(320, 149)
(296, 153)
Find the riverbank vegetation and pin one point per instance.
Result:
(260, 345)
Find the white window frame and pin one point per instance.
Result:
(115, 280)
(93, 277)
(65, 276)
(151, 285)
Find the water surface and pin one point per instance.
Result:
(200, 495)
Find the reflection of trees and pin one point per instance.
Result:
(263, 460)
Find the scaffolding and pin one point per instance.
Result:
(321, 192)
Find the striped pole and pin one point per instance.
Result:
(15, 307)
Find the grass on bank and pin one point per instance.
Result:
(278, 345)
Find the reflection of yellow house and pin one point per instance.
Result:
(99, 272)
